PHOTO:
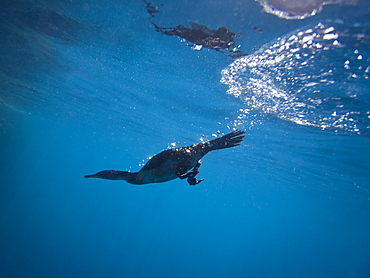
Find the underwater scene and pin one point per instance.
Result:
(197, 138)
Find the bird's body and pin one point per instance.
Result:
(170, 164)
(173, 163)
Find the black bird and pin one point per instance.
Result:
(175, 163)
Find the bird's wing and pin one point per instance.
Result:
(157, 160)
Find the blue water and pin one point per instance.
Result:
(89, 85)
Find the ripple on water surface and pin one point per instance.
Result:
(299, 9)
(317, 77)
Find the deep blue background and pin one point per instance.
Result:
(97, 88)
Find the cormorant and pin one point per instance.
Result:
(175, 163)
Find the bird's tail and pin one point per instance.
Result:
(229, 140)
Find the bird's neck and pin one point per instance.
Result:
(128, 176)
(119, 175)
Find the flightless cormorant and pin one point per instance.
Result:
(175, 163)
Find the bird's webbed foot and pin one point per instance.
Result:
(194, 181)
(191, 175)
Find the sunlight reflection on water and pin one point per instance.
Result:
(294, 9)
(314, 77)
